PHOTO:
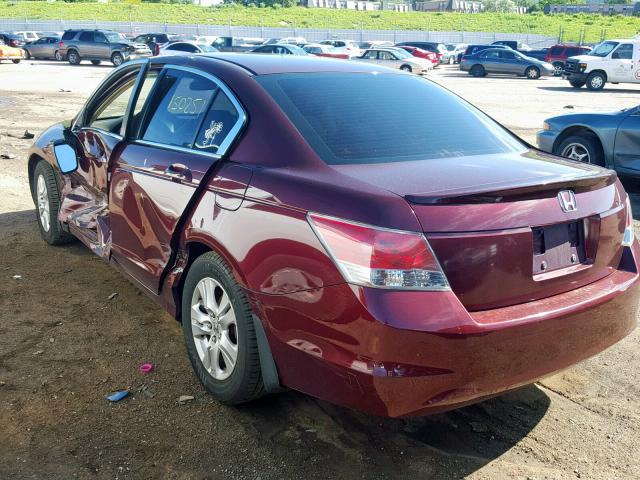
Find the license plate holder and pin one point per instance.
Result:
(558, 246)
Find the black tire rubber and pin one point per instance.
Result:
(591, 78)
(16, 60)
(478, 71)
(576, 84)
(95, 62)
(56, 234)
(27, 55)
(117, 59)
(406, 68)
(527, 73)
(589, 142)
(74, 57)
(245, 382)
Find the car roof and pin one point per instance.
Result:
(260, 64)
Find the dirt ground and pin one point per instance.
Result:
(64, 345)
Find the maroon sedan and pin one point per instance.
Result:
(420, 53)
(312, 227)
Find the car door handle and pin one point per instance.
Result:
(179, 171)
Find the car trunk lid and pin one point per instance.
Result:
(498, 227)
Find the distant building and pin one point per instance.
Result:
(626, 9)
(462, 6)
(357, 5)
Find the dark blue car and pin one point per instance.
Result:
(607, 139)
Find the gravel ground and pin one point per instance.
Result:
(64, 345)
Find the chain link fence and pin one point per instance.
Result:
(533, 40)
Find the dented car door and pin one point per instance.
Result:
(179, 133)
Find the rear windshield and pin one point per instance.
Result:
(354, 118)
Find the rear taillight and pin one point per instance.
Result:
(14, 43)
(60, 44)
(627, 239)
(377, 257)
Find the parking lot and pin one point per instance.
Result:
(66, 341)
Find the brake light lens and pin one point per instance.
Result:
(627, 239)
(377, 257)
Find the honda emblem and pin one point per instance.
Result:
(567, 201)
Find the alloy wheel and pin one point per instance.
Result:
(576, 151)
(214, 328)
(43, 202)
(596, 82)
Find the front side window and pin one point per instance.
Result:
(508, 55)
(100, 38)
(412, 119)
(603, 49)
(371, 54)
(109, 112)
(175, 112)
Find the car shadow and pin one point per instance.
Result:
(449, 445)
(583, 90)
(85, 63)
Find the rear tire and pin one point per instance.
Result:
(406, 68)
(74, 57)
(575, 146)
(58, 56)
(209, 336)
(532, 73)
(558, 68)
(27, 55)
(16, 60)
(477, 71)
(117, 59)
(46, 196)
(596, 81)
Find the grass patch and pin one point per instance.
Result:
(589, 28)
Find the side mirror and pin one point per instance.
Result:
(66, 157)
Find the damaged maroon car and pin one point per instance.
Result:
(338, 242)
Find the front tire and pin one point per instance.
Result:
(584, 148)
(406, 68)
(46, 195)
(117, 59)
(596, 81)
(27, 55)
(219, 332)
(16, 60)
(576, 84)
(95, 62)
(532, 73)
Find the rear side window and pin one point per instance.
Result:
(624, 52)
(177, 108)
(86, 37)
(68, 35)
(411, 118)
(218, 123)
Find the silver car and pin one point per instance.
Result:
(396, 58)
(46, 47)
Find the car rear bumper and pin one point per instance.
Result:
(397, 354)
